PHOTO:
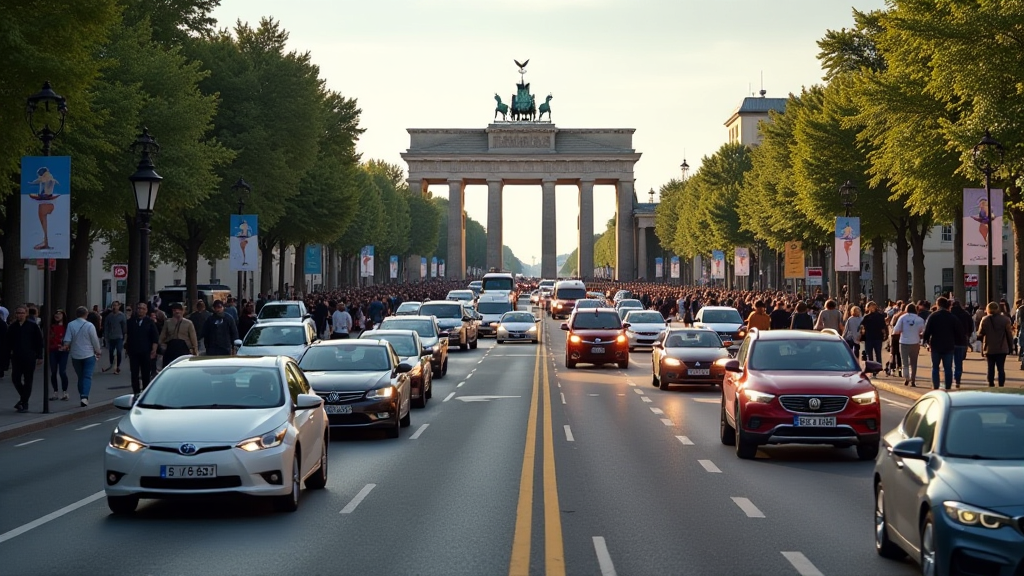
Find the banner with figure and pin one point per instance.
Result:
(244, 243)
(45, 207)
(717, 265)
(393, 265)
(366, 262)
(847, 244)
(440, 268)
(659, 265)
(674, 265)
(313, 263)
(982, 224)
(742, 261)
(423, 267)
(433, 267)
(794, 259)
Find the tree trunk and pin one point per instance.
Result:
(76, 288)
(918, 229)
(282, 252)
(959, 291)
(14, 266)
(266, 264)
(902, 261)
(878, 285)
(299, 269)
(1017, 219)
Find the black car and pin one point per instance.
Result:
(430, 337)
(411, 351)
(455, 323)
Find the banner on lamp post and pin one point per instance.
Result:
(440, 268)
(313, 264)
(393, 267)
(46, 207)
(674, 267)
(433, 267)
(366, 262)
(847, 252)
(423, 267)
(659, 265)
(742, 261)
(982, 224)
(794, 260)
(244, 239)
(717, 265)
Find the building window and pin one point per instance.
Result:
(947, 233)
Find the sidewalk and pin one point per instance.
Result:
(105, 387)
(974, 377)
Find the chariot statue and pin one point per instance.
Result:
(523, 106)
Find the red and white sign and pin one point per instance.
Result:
(813, 276)
(119, 271)
(41, 263)
(970, 280)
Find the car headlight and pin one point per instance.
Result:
(532, 329)
(671, 362)
(493, 324)
(621, 339)
(759, 397)
(973, 516)
(122, 441)
(381, 393)
(264, 441)
(575, 339)
(866, 398)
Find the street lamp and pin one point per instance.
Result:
(243, 189)
(685, 169)
(145, 183)
(46, 135)
(985, 151)
(848, 196)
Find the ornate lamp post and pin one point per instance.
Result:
(848, 196)
(46, 135)
(685, 168)
(243, 189)
(985, 152)
(145, 183)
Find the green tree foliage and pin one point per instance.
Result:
(604, 246)
(424, 223)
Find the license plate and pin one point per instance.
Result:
(338, 408)
(597, 350)
(197, 471)
(517, 335)
(827, 421)
(699, 372)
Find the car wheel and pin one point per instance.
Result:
(867, 451)
(420, 402)
(290, 502)
(886, 548)
(406, 420)
(726, 433)
(623, 365)
(429, 388)
(474, 343)
(463, 346)
(570, 364)
(632, 348)
(122, 505)
(745, 449)
(929, 557)
(662, 384)
(393, 430)
(535, 341)
(444, 368)
(500, 341)
(654, 379)
(319, 479)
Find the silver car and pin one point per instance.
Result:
(517, 327)
(283, 309)
(643, 327)
(273, 337)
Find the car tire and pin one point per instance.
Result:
(430, 388)
(886, 548)
(535, 341)
(662, 384)
(122, 505)
(623, 365)
(319, 479)
(444, 368)
(745, 449)
(406, 420)
(464, 346)
(500, 341)
(393, 431)
(867, 451)
(654, 379)
(632, 348)
(929, 560)
(420, 402)
(726, 432)
(290, 502)
(570, 364)
(474, 343)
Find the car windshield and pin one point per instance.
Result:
(425, 328)
(460, 295)
(567, 293)
(442, 310)
(345, 358)
(986, 432)
(588, 304)
(597, 321)
(403, 344)
(214, 387)
(263, 335)
(645, 318)
(722, 317)
(630, 304)
(621, 294)
(489, 284)
(693, 339)
(408, 308)
(493, 307)
(802, 354)
(518, 317)
(270, 311)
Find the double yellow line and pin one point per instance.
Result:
(554, 554)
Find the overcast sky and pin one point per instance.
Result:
(674, 70)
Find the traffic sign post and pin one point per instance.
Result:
(970, 280)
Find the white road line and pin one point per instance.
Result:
(632, 383)
(593, 394)
(646, 399)
(459, 385)
(87, 426)
(559, 384)
(29, 442)
(418, 431)
(894, 403)
(666, 422)
(468, 376)
(802, 564)
(748, 507)
(51, 516)
(568, 434)
(449, 397)
(112, 419)
(686, 441)
(351, 506)
(707, 464)
(621, 394)
(638, 391)
(563, 397)
(604, 559)
(708, 400)
(480, 360)
(657, 410)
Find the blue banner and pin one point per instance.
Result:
(393, 266)
(718, 264)
(244, 236)
(433, 267)
(659, 265)
(46, 207)
(314, 260)
(366, 262)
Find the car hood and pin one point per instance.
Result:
(164, 426)
(488, 318)
(448, 323)
(518, 326)
(347, 381)
(720, 327)
(647, 327)
(292, 351)
(986, 483)
(808, 382)
(697, 354)
(413, 361)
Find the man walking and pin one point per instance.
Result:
(220, 332)
(341, 321)
(178, 337)
(140, 345)
(941, 332)
(830, 317)
(114, 327)
(199, 317)
(84, 348)
(25, 345)
(960, 348)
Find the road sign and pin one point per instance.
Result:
(40, 265)
(970, 280)
(813, 276)
(119, 271)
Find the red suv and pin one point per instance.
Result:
(798, 387)
(596, 336)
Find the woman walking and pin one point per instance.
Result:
(995, 333)
(58, 355)
(909, 328)
(115, 325)
(851, 330)
(895, 367)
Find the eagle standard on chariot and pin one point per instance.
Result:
(523, 107)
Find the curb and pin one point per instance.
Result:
(52, 420)
(904, 391)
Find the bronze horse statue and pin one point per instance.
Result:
(503, 108)
(545, 107)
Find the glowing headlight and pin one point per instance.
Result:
(268, 440)
(122, 441)
(866, 398)
(759, 397)
(379, 393)
(532, 329)
(973, 516)
(575, 339)
(621, 339)
(672, 362)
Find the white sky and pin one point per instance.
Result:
(674, 70)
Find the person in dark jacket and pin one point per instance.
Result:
(140, 345)
(220, 332)
(801, 320)
(199, 317)
(941, 333)
(874, 330)
(960, 347)
(780, 317)
(25, 346)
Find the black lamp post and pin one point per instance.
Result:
(243, 189)
(985, 151)
(685, 168)
(46, 135)
(145, 183)
(848, 196)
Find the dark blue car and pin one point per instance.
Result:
(949, 484)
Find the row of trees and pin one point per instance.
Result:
(908, 92)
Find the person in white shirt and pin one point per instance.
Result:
(909, 327)
(84, 348)
(341, 321)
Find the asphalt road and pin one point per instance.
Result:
(589, 471)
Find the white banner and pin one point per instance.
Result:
(742, 261)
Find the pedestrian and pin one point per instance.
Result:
(199, 317)
(58, 355)
(230, 309)
(940, 334)
(140, 344)
(178, 338)
(341, 321)
(781, 316)
(851, 330)
(115, 325)
(4, 313)
(220, 332)
(84, 349)
(909, 328)
(320, 314)
(25, 347)
(873, 331)
(830, 317)
(758, 318)
(247, 320)
(960, 346)
(801, 320)
(895, 365)
(996, 335)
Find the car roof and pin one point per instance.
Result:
(352, 342)
(284, 321)
(232, 361)
(720, 308)
(411, 317)
(394, 332)
(410, 303)
(796, 335)
(1005, 396)
(446, 302)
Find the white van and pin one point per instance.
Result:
(491, 308)
(498, 283)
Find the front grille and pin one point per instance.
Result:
(647, 333)
(202, 450)
(157, 482)
(340, 397)
(812, 432)
(801, 404)
(355, 419)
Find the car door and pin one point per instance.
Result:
(730, 382)
(911, 477)
(308, 423)
(656, 352)
(402, 382)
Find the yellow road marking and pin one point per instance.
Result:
(554, 554)
(520, 562)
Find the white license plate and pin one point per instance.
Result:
(518, 335)
(827, 421)
(699, 372)
(597, 350)
(196, 471)
(338, 408)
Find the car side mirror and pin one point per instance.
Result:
(307, 315)
(536, 319)
(872, 367)
(237, 343)
(911, 449)
(426, 351)
(565, 326)
(466, 318)
(124, 402)
(657, 345)
(404, 367)
(730, 365)
(626, 324)
(307, 402)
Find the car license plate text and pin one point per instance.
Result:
(829, 421)
(338, 408)
(699, 372)
(199, 471)
(597, 350)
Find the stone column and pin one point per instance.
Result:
(624, 262)
(548, 249)
(586, 230)
(455, 264)
(641, 259)
(494, 235)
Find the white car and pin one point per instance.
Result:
(464, 296)
(219, 425)
(643, 327)
(625, 305)
(272, 337)
(281, 309)
(724, 320)
(517, 327)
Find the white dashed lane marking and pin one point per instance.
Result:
(632, 383)
(748, 507)
(707, 464)
(51, 516)
(802, 564)
(708, 400)
(449, 397)
(87, 426)
(685, 441)
(646, 399)
(29, 442)
(638, 391)
(604, 559)
(351, 506)
(657, 410)
(666, 422)
(112, 419)
(563, 397)
(568, 434)
(418, 431)
(894, 403)
(459, 385)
